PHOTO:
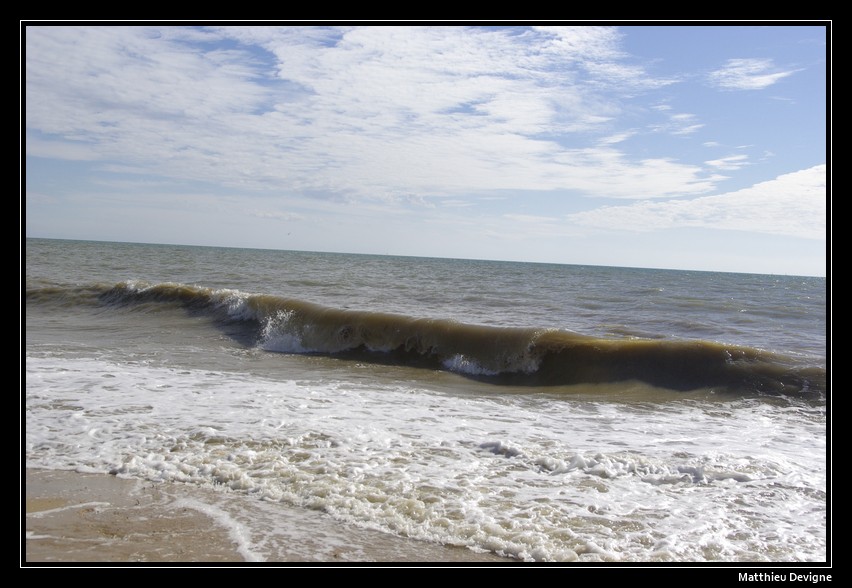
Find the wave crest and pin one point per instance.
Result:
(502, 355)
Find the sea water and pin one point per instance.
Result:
(539, 412)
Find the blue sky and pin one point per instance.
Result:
(685, 147)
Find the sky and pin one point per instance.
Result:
(691, 146)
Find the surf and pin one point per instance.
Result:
(518, 356)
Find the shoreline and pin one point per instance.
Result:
(101, 518)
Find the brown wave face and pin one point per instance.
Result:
(501, 355)
(677, 365)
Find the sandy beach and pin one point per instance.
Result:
(97, 518)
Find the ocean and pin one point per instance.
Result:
(537, 412)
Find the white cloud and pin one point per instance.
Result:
(792, 204)
(530, 218)
(678, 124)
(67, 150)
(606, 172)
(453, 203)
(111, 75)
(687, 129)
(354, 113)
(276, 215)
(729, 163)
(597, 49)
(748, 74)
(616, 138)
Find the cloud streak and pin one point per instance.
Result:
(729, 163)
(748, 74)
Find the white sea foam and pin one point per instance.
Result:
(277, 334)
(42, 513)
(239, 533)
(236, 302)
(528, 476)
(464, 365)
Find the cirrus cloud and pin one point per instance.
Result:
(351, 112)
(748, 74)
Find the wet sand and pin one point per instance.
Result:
(99, 518)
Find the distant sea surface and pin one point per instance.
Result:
(540, 412)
